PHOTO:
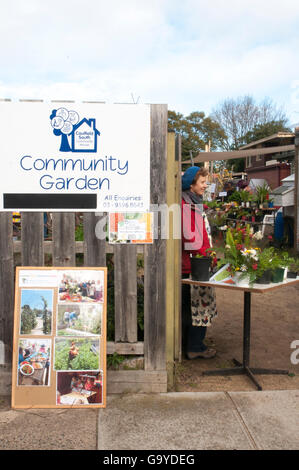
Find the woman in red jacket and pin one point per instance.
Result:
(198, 303)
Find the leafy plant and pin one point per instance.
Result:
(85, 360)
(262, 193)
(114, 360)
(235, 197)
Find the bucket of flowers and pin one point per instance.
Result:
(201, 265)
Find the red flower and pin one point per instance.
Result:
(254, 266)
(270, 237)
(239, 247)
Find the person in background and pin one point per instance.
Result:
(198, 303)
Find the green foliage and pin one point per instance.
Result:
(28, 320)
(46, 316)
(196, 130)
(293, 264)
(86, 359)
(79, 232)
(114, 360)
(262, 192)
(260, 131)
(236, 197)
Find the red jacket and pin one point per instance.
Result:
(194, 235)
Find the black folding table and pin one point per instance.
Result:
(244, 367)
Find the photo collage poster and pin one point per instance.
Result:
(60, 338)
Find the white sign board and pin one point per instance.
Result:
(68, 157)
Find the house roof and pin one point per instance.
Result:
(89, 122)
(280, 138)
(282, 190)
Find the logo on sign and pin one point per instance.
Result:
(76, 135)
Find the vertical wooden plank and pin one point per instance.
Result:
(6, 285)
(178, 254)
(64, 249)
(170, 265)
(32, 235)
(94, 239)
(125, 293)
(155, 254)
(296, 195)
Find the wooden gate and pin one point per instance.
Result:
(161, 272)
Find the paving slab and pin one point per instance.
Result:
(172, 421)
(271, 417)
(47, 429)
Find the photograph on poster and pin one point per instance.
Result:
(79, 319)
(36, 311)
(75, 353)
(79, 388)
(34, 361)
(81, 286)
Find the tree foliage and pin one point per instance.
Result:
(238, 117)
(28, 320)
(244, 121)
(196, 130)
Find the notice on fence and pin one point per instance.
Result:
(59, 354)
(74, 157)
(131, 227)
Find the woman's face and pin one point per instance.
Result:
(200, 186)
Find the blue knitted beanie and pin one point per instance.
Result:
(189, 176)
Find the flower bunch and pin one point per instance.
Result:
(241, 252)
(209, 253)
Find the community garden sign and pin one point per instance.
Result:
(74, 157)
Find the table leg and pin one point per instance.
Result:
(243, 368)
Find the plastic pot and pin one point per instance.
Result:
(265, 277)
(291, 274)
(200, 268)
(278, 275)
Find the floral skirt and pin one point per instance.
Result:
(203, 305)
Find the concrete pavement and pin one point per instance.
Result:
(267, 420)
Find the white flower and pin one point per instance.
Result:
(243, 268)
(224, 227)
(258, 235)
(227, 247)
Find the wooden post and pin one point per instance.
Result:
(94, 247)
(32, 232)
(296, 195)
(170, 264)
(155, 254)
(6, 285)
(64, 249)
(125, 293)
(178, 256)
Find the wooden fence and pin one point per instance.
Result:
(161, 272)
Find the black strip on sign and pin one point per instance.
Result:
(49, 201)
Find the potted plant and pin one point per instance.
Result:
(262, 193)
(293, 268)
(280, 263)
(265, 266)
(201, 264)
(245, 198)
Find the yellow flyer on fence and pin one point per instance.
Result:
(131, 227)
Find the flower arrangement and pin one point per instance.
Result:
(238, 242)
(245, 257)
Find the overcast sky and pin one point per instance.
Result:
(190, 54)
